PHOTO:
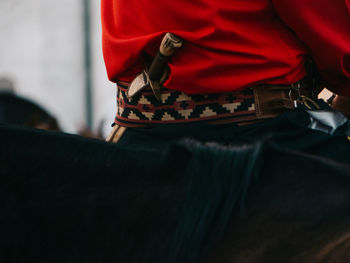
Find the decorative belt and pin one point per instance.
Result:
(175, 107)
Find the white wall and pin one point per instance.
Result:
(41, 49)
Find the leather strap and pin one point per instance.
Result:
(271, 101)
(116, 134)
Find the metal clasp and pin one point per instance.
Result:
(294, 94)
(298, 99)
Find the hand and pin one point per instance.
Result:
(342, 104)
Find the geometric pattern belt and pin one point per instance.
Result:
(176, 107)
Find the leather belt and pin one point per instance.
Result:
(271, 100)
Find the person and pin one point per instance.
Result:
(239, 63)
(21, 111)
(342, 104)
(246, 77)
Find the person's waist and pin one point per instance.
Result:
(174, 107)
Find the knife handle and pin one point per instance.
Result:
(169, 45)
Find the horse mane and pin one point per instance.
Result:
(213, 188)
(218, 179)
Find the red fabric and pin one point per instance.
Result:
(230, 44)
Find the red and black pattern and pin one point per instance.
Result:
(177, 107)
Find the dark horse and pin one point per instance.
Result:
(270, 192)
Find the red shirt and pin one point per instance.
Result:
(230, 44)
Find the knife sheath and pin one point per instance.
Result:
(155, 73)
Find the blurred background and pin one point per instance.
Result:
(51, 54)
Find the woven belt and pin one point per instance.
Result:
(176, 107)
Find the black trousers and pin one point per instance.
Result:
(288, 131)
